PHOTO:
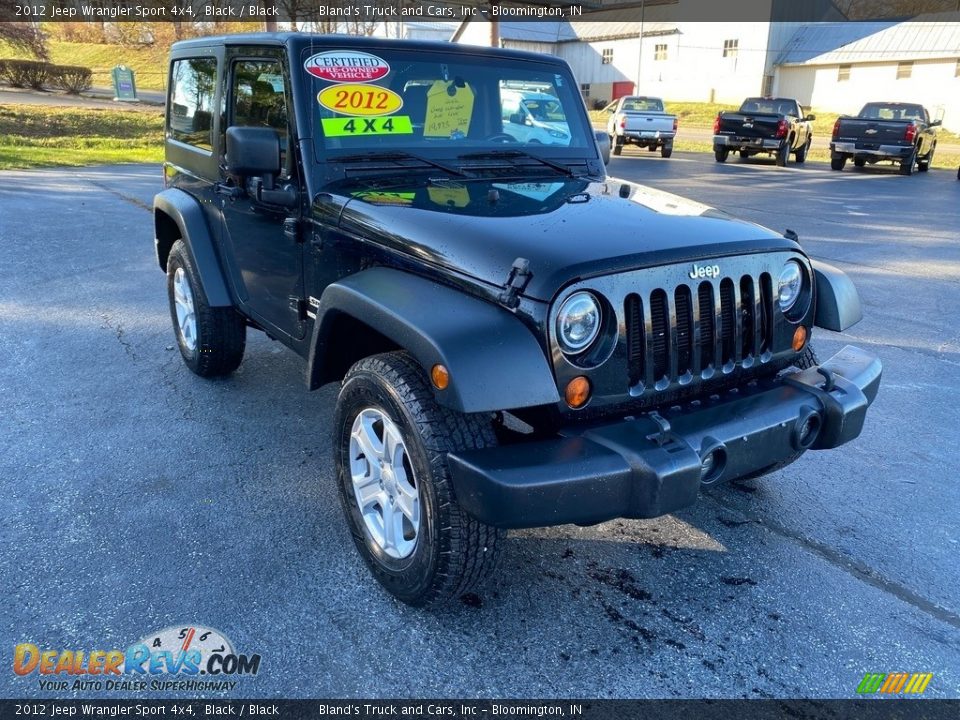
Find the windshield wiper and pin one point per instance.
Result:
(398, 157)
(507, 154)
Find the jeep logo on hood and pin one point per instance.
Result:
(698, 272)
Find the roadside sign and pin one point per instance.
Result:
(124, 85)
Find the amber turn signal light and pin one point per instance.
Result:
(578, 392)
(440, 377)
(799, 338)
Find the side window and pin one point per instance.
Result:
(193, 84)
(258, 97)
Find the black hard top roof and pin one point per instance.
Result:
(298, 40)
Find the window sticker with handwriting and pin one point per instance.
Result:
(449, 109)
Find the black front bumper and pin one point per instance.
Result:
(651, 465)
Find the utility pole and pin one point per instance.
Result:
(494, 26)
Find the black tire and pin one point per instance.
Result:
(666, 151)
(924, 165)
(837, 163)
(744, 154)
(958, 173)
(806, 359)
(617, 148)
(221, 333)
(783, 154)
(652, 148)
(859, 162)
(906, 165)
(802, 152)
(454, 553)
(721, 155)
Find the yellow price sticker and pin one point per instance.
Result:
(391, 125)
(378, 197)
(360, 100)
(449, 195)
(448, 115)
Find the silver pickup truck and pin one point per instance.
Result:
(642, 121)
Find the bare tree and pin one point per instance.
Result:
(24, 36)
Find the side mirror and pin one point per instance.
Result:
(936, 123)
(603, 144)
(516, 119)
(810, 117)
(254, 153)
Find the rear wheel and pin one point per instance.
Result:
(617, 146)
(391, 441)
(802, 152)
(666, 151)
(859, 162)
(652, 148)
(211, 339)
(837, 163)
(783, 154)
(721, 155)
(906, 165)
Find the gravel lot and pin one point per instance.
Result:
(136, 496)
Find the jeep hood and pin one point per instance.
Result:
(569, 229)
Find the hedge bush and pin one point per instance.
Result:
(72, 78)
(26, 73)
(36, 74)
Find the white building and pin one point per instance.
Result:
(841, 66)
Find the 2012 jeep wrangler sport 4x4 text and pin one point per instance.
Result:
(519, 340)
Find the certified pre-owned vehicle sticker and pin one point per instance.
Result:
(360, 100)
(346, 66)
(391, 125)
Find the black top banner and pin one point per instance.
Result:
(301, 12)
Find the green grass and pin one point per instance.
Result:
(33, 136)
(149, 64)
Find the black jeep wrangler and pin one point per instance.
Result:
(520, 341)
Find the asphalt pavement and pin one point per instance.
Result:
(137, 496)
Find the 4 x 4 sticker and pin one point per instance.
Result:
(360, 100)
(346, 66)
(392, 125)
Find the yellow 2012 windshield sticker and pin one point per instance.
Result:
(448, 115)
(360, 100)
(390, 125)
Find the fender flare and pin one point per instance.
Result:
(838, 302)
(495, 362)
(188, 216)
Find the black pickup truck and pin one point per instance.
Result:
(775, 126)
(896, 132)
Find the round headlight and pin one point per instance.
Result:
(578, 322)
(789, 285)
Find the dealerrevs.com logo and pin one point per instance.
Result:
(188, 657)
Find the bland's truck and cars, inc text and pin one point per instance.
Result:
(519, 340)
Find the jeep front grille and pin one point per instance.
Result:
(693, 331)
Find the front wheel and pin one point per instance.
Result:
(211, 339)
(924, 165)
(391, 441)
(721, 155)
(617, 147)
(803, 151)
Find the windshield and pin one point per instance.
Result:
(891, 111)
(643, 105)
(442, 104)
